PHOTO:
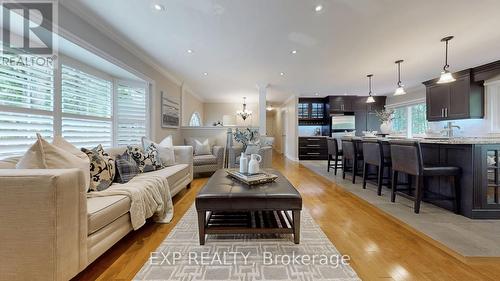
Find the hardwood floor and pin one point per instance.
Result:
(380, 248)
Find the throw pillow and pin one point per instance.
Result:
(165, 150)
(43, 155)
(102, 168)
(201, 148)
(126, 167)
(147, 160)
(167, 142)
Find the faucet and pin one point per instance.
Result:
(448, 129)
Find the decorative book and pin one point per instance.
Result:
(251, 179)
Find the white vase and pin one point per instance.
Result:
(386, 127)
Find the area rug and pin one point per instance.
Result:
(246, 257)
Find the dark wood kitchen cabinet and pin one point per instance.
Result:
(311, 111)
(462, 99)
(341, 103)
(313, 148)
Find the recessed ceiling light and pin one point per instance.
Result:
(294, 52)
(159, 7)
(189, 51)
(282, 73)
(316, 94)
(318, 8)
(205, 73)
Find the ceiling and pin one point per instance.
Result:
(243, 43)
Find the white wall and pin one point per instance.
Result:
(74, 28)
(291, 141)
(278, 130)
(270, 116)
(190, 104)
(214, 111)
(469, 127)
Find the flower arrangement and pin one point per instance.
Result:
(385, 115)
(245, 136)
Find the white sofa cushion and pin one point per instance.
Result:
(173, 173)
(104, 210)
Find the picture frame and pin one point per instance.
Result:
(170, 112)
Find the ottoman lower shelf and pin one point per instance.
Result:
(249, 222)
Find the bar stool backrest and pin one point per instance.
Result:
(332, 146)
(406, 157)
(372, 154)
(348, 149)
(386, 150)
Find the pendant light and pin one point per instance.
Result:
(400, 90)
(370, 99)
(446, 76)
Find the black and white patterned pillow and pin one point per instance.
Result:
(102, 168)
(148, 160)
(126, 167)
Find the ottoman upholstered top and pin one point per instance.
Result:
(221, 192)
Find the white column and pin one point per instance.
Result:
(262, 108)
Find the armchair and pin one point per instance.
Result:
(265, 151)
(209, 162)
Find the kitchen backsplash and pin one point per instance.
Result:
(305, 131)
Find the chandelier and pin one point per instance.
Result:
(244, 114)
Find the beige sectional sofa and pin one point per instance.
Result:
(50, 230)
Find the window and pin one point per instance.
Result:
(410, 120)
(90, 109)
(26, 105)
(131, 113)
(86, 108)
(418, 119)
(195, 120)
(400, 121)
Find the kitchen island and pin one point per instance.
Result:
(479, 183)
(480, 179)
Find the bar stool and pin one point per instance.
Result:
(351, 158)
(407, 158)
(335, 154)
(376, 153)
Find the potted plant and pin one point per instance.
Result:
(385, 116)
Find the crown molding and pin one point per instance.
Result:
(97, 23)
(185, 88)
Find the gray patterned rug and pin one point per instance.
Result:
(246, 257)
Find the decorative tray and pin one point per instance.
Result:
(251, 179)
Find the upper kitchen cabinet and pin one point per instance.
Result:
(341, 103)
(311, 111)
(462, 99)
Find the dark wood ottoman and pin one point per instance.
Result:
(227, 206)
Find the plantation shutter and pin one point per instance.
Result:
(86, 108)
(26, 106)
(131, 114)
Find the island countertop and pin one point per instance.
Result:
(438, 140)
